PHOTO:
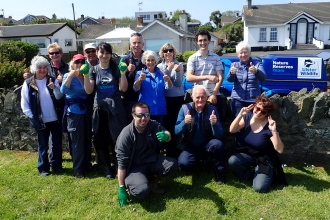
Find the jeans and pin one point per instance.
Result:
(243, 166)
(213, 148)
(55, 160)
(236, 106)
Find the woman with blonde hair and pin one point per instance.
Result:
(174, 96)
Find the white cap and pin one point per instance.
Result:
(90, 46)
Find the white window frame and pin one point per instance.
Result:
(273, 34)
(263, 34)
(68, 42)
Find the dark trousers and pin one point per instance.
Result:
(79, 128)
(212, 149)
(173, 105)
(137, 178)
(55, 159)
(236, 106)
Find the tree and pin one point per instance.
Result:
(125, 20)
(58, 20)
(176, 16)
(215, 17)
(230, 13)
(236, 32)
(207, 26)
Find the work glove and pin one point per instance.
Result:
(162, 136)
(122, 67)
(84, 69)
(122, 196)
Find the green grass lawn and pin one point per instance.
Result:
(27, 195)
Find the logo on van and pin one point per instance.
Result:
(308, 63)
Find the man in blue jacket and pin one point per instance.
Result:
(200, 129)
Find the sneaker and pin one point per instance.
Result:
(44, 173)
(79, 175)
(220, 178)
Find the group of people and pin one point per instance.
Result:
(138, 114)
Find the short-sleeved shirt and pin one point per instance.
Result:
(202, 66)
(106, 83)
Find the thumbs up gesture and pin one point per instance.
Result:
(51, 85)
(166, 77)
(213, 118)
(131, 66)
(59, 77)
(252, 68)
(84, 69)
(142, 75)
(187, 118)
(233, 69)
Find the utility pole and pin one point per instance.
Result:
(74, 25)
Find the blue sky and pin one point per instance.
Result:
(199, 9)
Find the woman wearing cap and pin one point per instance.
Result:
(77, 114)
(174, 96)
(39, 101)
(258, 145)
(108, 113)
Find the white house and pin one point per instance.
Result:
(149, 16)
(292, 25)
(42, 34)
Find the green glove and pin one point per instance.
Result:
(162, 136)
(122, 196)
(122, 67)
(84, 69)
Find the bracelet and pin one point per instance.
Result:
(121, 185)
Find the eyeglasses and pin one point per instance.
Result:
(140, 115)
(90, 51)
(263, 112)
(79, 62)
(136, 34)
(52, 53)
(168, 50)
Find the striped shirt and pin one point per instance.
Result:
(205, 66)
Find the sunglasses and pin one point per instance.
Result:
(263, 112)
(168, 50)
(79, 62)
(136, 34)
(90, 51)
(52, 53)
(140, 115)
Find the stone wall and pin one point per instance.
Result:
(302, 118)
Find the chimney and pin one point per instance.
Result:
(1, 16)
(54, 16)
(140, 21)
(82, 17)
(249, 4)
(237, 14)
(10, 17)
(183, 21)
(43, 21)
(102, 17)
(113, 20)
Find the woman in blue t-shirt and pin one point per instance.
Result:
(258, 145)
(108, 112)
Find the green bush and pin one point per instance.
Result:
(179, 57)
(30, 50)
(11, 73)
(187, 54)
(230, 49)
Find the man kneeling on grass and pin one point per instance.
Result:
(140, 164)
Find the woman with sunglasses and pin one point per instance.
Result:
(77, 114)
(108, 112)
(174, 96)
(151, 82)
(258, 145)
(246, 75)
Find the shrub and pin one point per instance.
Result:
(187, 54)
(218, 50)
(11, 73)
(179, 57)
(30, 50)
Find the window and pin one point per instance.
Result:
(262, 34)
(68, 42)
(40, 42)
(56, 40)
(146, 17)
(273, 34)
(329, 33)
(155, 16)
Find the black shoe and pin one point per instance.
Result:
(220, 178)
(79, 175)
(58, 171)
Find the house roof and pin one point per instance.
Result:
(229, 19)
(33, 30)
(280, 13)
(94, 31)
(170, 25)
(21, 21)
(117, 33)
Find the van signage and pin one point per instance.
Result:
(309, 68)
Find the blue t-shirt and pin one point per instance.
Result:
(106, 83)
(259, 141)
